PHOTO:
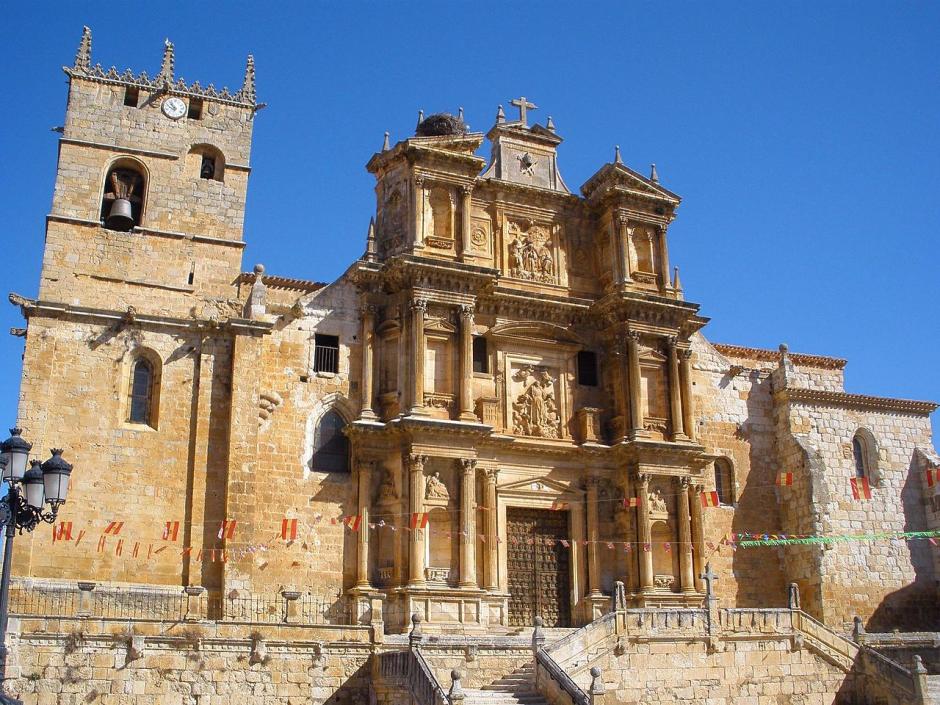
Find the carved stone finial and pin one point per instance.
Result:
(597, 683)
(420, 118)
(784, 355)
(500, 115)
(460, 113)
(248, 85)
(415, 637)
(256, 307)
(794, 596)
(550, 124)
(654, 175)
(676, 284)
(370, 236)
(617, 157)
(168, 65)
(385, 146)
(83, 55)
(455, 694)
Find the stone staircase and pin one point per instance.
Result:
(516, 688)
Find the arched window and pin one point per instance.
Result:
(140, 406)
(865, 456)
(206, 162)
(123, 195)
(724, 482)
(330, 445)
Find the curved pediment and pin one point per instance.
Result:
(536, 330)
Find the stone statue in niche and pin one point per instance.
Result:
(656, 501)
(387, 491)
(535, 413)
(435, 488)
(530, 255)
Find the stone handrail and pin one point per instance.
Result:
(410, 669)
(547, 667)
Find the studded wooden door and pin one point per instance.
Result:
(539, 580)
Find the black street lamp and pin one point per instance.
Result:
(22, 510)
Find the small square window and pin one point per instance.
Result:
(131, 96)
(325, 353)
(587, 368)
(195, 109)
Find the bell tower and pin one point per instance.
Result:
(150, 189)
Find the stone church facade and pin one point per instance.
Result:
(501, 410)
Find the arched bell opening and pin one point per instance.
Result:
(122, 200)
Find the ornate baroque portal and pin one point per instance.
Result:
(539, 576)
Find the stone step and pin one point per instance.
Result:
(484, 697)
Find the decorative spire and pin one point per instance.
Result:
(654, 177)
(83, 55)
(460, 113)
(617, 159)
(370, 239)
(500, 115)
(550, 124)
(385, 143)
(248, 85)
(676, 284)
(420, 117)
(166, 68)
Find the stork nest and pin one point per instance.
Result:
(441, 125)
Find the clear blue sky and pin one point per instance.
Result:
(804, 138)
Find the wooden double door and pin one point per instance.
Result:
(539, 567)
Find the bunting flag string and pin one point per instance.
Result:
(288, 529)
(933, 477)
(171, 531)
(860, 488)
(784, 479)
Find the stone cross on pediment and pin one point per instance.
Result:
(523, 105)
(709, 577)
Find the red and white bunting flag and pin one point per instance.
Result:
(647, 548)
(860, 488)
(499, 539)
(933, 477)
(119, 548)
(549, 542)
(288, 529)
(933, 542)
(419, 520)
(101, 542)
(483, 538)
(62, 532)
(227, 529)
(171, 530)
(565, 543)
(710, 545)
(529, 542)
(114, 528)
(559, 506)
(81, 535)
(710, 499)
(784, 479)
(626, 548)
(136, 548)
(610, 545)
(631, 502)
(667, 547)
(353, 521)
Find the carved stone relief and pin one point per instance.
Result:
(535, 410)
(435, 488)
(391, 216)
(530, 254)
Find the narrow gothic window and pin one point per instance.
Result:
(724, 482)
(587, 368)
(859, 453)
(325, 353)
(331, 447)
(480, 363)
(141, 398)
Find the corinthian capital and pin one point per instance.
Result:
(466, 312)
(491, 475)
(419, 305)
(416, 462)
(467, 465)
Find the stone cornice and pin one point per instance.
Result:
(139, 230)
(764, 355)
(276, 282)
(821, 397)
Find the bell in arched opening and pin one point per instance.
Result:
(121, 205)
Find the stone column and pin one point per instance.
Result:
(492, 534)
(418, 308)
(468, 524)
(418, 188)
(675, 403)
(466, 364)
(685, 377)
(686, 576)
(633, 364)
(644, 530)
(594, 573)
(698, 542)
(623, 239)
(417, 535)
(663, 257)
(368, 320)
(466, 205)
(365, 488)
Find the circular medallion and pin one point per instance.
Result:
(174, 108)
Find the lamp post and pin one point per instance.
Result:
(22, 510)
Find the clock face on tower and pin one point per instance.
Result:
(174, 108)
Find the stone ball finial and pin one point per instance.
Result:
(595, 672)
(441, 125)
(416, 619)
(539, 622)
(259, 269)
(455, 675)
(784, 348)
